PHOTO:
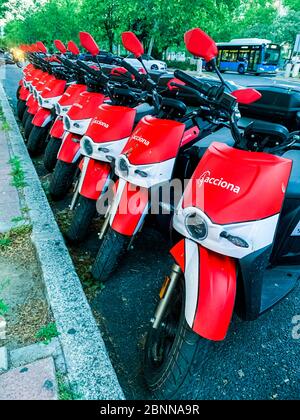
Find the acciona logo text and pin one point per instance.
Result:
(102, 123)
(141, 140)
(206, 178)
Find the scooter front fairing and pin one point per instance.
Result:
(231, 208)
(147, 160)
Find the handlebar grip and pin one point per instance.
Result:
(131, 69)
(96, 73)
(202, 87)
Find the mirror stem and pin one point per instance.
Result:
(215, 67)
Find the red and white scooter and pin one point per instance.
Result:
(240, 246)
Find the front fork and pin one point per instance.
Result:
(167, 295)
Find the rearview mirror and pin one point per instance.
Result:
(246, 96)
(201, 45)
(88, 42)
(72, 47)
(132, 44)
(41, 46)
(60, 46)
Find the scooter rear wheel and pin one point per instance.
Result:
(21, 107)
(51, 152)
(173, 352)
(111, 251)
(36, 140)
(84, 213)
(62, 179)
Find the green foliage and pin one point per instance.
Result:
(46, 333)
(182, 65)
(13, 235)
(160, 21)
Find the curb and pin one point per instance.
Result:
(90, 372)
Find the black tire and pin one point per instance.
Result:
(112, 249)
(36, 140)
(154, 67)
(28, 125)
(18, 92)
(25, 116)
(21, 107)
(62, 179)
(208, 67)
(84, 213)
(241, 69)
(185, 352)
(51, 152)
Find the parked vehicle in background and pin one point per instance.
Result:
(149, 62)
(251, 55)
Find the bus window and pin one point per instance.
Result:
(272, 55)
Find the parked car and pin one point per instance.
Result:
(149, 62)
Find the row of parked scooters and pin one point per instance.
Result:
(127, 140)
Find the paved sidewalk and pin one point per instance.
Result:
(9, 198)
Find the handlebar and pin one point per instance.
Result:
(131, 69)
(95, 73)
(202, 87)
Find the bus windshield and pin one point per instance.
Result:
(272, 55)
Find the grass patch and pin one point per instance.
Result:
(17, 173)
(47, 332)
(5, 125)
(4, 308)
(13, 235)
(64, 390)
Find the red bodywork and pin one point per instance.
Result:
(95, 177)
(132, 206)
(53, 89)
(216, 285)
(85, 105)
(154, 140)
(237, 178)
(69, 148)
(57, 129)
(111, 123)
(24, 93)
(71, 94)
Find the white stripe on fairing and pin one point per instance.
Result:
(191, 275)
(47, 120)
(77, 156)
(117, 199)
(83, 172)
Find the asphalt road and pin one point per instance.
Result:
(258, 360)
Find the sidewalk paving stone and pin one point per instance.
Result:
(35, 381)
(3, 359)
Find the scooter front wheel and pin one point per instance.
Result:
(84, 213)
(36, 140)
(173, 352)
(62, 179)
(51, 152)
(112, 249)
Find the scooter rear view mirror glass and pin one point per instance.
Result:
(41, 47)
(60, 46)
(132, 44)
(199, 44)
(72, 47)
(88, 42)
(246, 96)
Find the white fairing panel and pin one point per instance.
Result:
(157, 173)
(48, 103)
(102, 150)
(76, 126)
(258, 234)
(191, 275)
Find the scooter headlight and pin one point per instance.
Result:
(67, 123)
(87, 146)
(123, 167)
(57, 109)
(196, 226)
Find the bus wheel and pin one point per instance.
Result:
(241, 69)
